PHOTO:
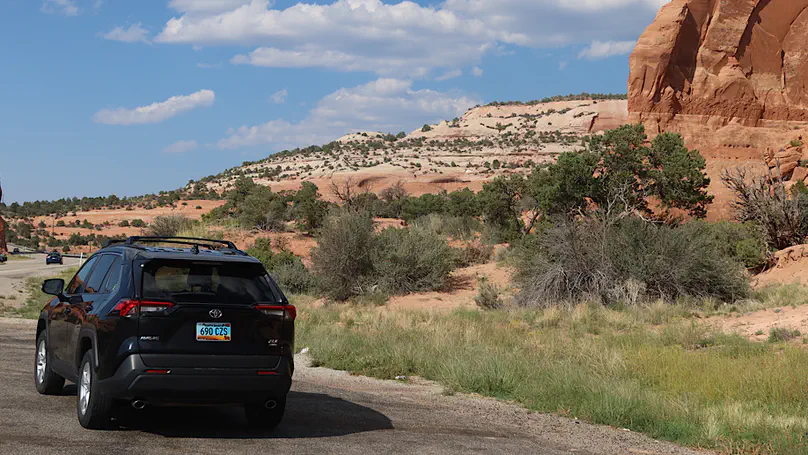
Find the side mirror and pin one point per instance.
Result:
(55, 287)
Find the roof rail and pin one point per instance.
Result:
(194, 242)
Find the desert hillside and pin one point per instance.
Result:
(487, 141)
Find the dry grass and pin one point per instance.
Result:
(651, 368)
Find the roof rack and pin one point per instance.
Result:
(194, 242)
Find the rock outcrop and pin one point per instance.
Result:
(732, 61)
(731, 76)
(788, 160)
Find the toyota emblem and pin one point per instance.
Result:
(215, 314)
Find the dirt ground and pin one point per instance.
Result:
(755, 326)
(465, 282)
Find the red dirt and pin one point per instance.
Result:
(461, 296)
(756, 326)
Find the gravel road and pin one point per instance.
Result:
(328, 412)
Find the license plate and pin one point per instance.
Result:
(209, 331)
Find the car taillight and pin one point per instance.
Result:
(283, 311)
(128, 307)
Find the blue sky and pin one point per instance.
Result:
(130, 97)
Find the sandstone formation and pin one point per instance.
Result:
(788, 160)
(731, 76)
(742, 61)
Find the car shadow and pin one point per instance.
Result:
(308, 415)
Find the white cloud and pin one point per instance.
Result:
(181, 147)
(382, 105)
(209, 66)
(156, 112)
(449, 75)
(600, 50)
(66, 7)
(562, 65)
(279, 97)
(400, 39)
(477, 71)
(134, 34)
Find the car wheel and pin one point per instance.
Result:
(47, 382)
(92, 407)
(259, 416)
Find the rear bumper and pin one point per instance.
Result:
(196, 385)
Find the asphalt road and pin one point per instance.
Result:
(328, 412)
(14, 272)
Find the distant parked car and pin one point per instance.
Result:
(16, 250)
(3, 258)
(54, 258)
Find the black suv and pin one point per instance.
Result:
(156, 320)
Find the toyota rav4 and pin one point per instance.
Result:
(153, 321)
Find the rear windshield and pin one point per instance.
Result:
(208, 282)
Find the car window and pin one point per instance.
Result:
(200, 282)
(99, 273)
(77, 283)
(113, 280)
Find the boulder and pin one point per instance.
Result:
(787, 159)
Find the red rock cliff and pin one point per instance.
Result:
(743, 61)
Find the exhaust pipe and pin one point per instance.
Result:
(139, 404)
(270, 404)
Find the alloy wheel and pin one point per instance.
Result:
(84, 388)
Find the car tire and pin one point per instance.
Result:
(259, 416)
(46, 380)
(92, 407)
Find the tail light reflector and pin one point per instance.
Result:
(157, 371)
(129, 308)
(267, 373)
(284, 311)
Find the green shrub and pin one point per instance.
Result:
(342, 259)
(294, 277)
(782, 334)
(169, 225)
(745, 242)
(286, 268)
(587, 260)
(138, 223)
(411, 260)
(352, 260)
(488, 295)
(124, 223)
(474, 253)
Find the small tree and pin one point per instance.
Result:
(310, 210)
(615, 176)
(426, 129)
